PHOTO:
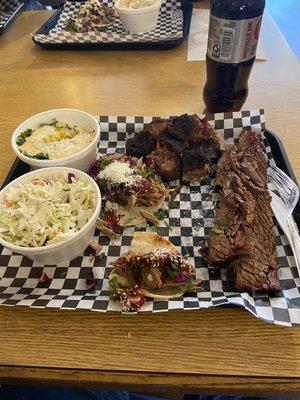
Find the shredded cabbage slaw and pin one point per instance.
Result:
(44, 211)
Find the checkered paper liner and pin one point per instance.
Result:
(190, 217)
(169, 27)
(8, 7)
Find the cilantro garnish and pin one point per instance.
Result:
(161, 214)
(21, 139)
(53, 123)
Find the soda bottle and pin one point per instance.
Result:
(232, 40)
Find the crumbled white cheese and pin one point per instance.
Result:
(119, 172)
(110, 206)
(161, 251)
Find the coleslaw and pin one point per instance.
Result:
(45, 211)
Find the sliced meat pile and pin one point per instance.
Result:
(179, 147)
(243, 237)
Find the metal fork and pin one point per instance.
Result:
(289, 194)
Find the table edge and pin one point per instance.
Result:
(159, 383)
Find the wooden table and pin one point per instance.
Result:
(221, 350)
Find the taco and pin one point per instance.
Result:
(131, 192)
(153, 267)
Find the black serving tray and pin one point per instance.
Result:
(19, 167)
(186, 7)
(12, 17)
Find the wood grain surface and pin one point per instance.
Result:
(221, 350)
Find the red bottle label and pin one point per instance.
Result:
(233, 41)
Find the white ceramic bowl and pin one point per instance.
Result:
(81, 160)
(139, 20)
(61, 251)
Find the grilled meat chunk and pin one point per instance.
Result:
(182, 126)
(140, 145)
(192, 159)
(196, 174)
(157, 127)
(177, 145)
(166, 162)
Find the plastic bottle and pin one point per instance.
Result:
(232, 41)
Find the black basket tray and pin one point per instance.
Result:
(13, 15)
(19, 167)
(186, 7)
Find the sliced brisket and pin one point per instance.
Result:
(243, 237)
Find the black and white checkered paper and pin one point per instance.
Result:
(190, 217)
(7, 9)
(169, 27)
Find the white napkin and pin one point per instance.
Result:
(197, 41)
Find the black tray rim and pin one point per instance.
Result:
(19, 167)
(186, 6)
(12, 17)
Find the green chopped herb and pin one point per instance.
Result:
(100, 256)
(176, 289)
(161, 214)
(173, 269)
(71, 25)
(155, 228)
(185, 287)
(186, 255)
(128, 221)
(63, 273)
(102, 28)
(191, 284)
(197, 228)
(21, 139)
(146, 172)
(222, 222)
(103, 163)
(53, 123)
(38, 156)
(102, 184)
(114, 284)
(41, 156)
(156, 178)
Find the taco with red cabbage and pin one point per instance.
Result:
(153, 267)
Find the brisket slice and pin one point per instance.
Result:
(243, 237)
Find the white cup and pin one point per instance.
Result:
(139, 20)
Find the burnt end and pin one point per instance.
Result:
(141, 145)
(191, 159)
(181, 126)
(179, 147)
(195, 175)
(207, 147)
(157, 128)
(176, 145)
(166, 163)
